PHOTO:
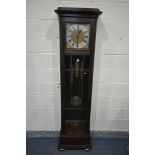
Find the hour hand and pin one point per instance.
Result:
(78, 37)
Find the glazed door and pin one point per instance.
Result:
(76, 92)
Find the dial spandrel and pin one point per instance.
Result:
(77, 36)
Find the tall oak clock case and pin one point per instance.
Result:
(77, 49)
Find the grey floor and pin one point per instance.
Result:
(100, 146)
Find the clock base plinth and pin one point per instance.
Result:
(74, 142)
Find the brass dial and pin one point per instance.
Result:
(77, 35)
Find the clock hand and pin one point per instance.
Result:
(78, 37)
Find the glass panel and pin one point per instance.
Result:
(76, 81)
(70, 61)
(75, 114)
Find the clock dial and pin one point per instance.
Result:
(77, 35)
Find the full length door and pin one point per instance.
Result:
(77, 68)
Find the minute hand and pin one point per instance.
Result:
(78, 37)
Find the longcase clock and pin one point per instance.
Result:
(77, 49)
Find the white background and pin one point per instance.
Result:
(110, 101)
(13, 78)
